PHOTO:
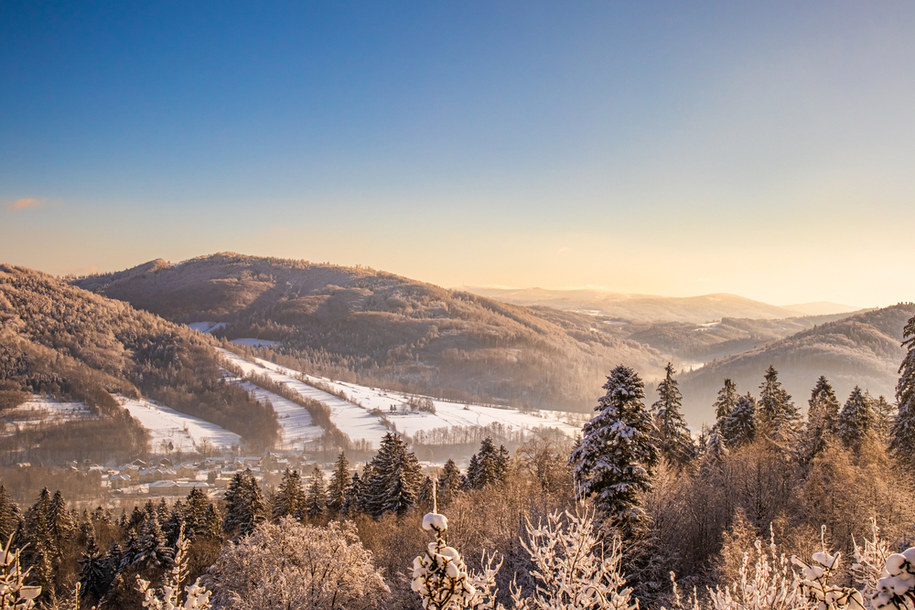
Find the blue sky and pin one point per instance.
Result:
(763, 149)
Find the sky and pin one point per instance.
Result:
(764, 149)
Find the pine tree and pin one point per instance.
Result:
(777, 415)
(289, 500)
(40, 551)
(353, 504)
(902, 437)
(394, 478)
(151, 551)
(883, 412)
(336, 491)
(245, 506)
(822, 415)
(614, 460)
(716, 451)
(200, 518)
(488, 466)
(674, 440)
(96, 573)
(725, 402)
(449, 483)
(316, 498)
(856, 423)
(739, 428)
(9, 516)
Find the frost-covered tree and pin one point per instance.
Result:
(739, 428)
(856, 423)
(449, 483)
(339, 480)
(169, 596)
(245, 506)
(316, 495)
(290, 565)
(822, 417)
(716, 451)
(614, 459)
(199, 517)
(777, 416)
(353, 503)
(439, 574)
(14, 593)
(393, 480)
(488, 465)
(674, 440)
(725, 402)
(289, 500)
(902, 436)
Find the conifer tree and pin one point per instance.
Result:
(739, 428)
(151, 550)
(883, 413)
(9, 516)
(245, 506)
(316, 497)
(902, 435)
(289, 500)
(336, 490)
(715, 453)
(856, 422)
(614, 460)
(200, 518)
(40, 550)
(725, 402)
(674, 440)
(449, 483)
(394, 478)
(96, 573)
(488, 466)
(353, 503)
(822, 417)
(777, 415)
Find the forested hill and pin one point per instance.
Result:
(60, 340)
(863, 349)
(389, 329)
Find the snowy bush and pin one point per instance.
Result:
(290, 565)
(815, 581)
(13, 591)
(196, 596)
(439, 574)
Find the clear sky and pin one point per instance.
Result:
(761, 148)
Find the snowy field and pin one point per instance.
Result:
(40, 410)
(185, 433)
(206, 327)
(354, 415)
(295, 421)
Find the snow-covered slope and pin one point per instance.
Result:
(295, 421)
(354, 415)
(183, 432)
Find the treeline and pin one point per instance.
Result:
(74, 345)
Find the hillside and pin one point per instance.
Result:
(863, 349)
(388, 330)
(641, 308)
(71, 344)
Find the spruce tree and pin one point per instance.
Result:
(316, 496)
(96, 573)
(674, 440)
(715, 453)
(289, 499)
(822, 417)
(245, 506)
(739, 428)
(449, 483)
(777, 415)
(199, 517)
(616, 455)
(394, 478)
(724, 403)
(353, 504)
(488, 466)
(902, 435)
(856, 423)
(339, 480)
(9, 516)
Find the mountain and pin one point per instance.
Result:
(380, 328)
(59, 340)
(863, 349)
(640, 308)
(821, 308)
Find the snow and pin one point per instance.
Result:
(184, 432)
(252, 342)
(206, 327)
(43, 410)
(435, 521)
(354, 418)
(295, 421)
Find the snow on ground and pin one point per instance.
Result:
(185, 433)
(42, 409)
(206, 327)
(295, 421)
(250, 342)
(354, 415)
(354, 421)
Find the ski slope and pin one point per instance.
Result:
(184, 432)
(355, 418)
(296, 426)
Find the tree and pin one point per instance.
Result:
(725, 402)
(316, 498)
(339, 480)
(776, 413)
(739, 428)
(674, 440)
(822, 415)
(290, 565)
(353, 503)
(856, 422)
(394, 478)
(289, 500)
(449, 483)
(903, 432)
(614, 459)
(245, 506)
(488, 465)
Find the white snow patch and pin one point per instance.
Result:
(253, 342)
(206, 327)
(295, 421)
(184, 432)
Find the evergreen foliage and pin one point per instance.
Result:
(614, 460)
(339, 480)
(856, 422)
(289, 500)
(393, 478)
(674, 440)
(822, 418)
(725, 402)
(777, 415)
(316, 496)
(488, 465)
(245, 506)
(739, 428)
(449, 483)
(903, 432)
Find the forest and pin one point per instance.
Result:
(767, 509)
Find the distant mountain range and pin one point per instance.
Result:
(648, 308)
